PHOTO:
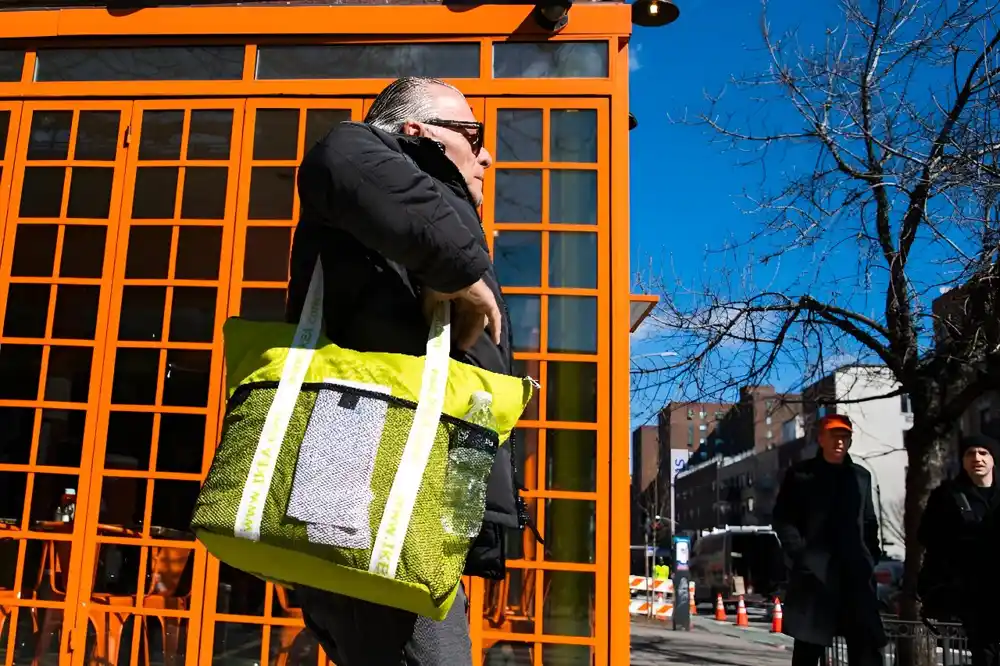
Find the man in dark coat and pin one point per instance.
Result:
(959, 531)
(391, 207)
(825, 519)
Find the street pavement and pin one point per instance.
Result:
(711, 643)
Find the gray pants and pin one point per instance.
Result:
(359, 633)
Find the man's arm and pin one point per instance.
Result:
(785, 519)
(871, 525)
(354, 182)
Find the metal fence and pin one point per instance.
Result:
(914, 644)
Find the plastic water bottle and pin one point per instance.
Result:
(466, 475)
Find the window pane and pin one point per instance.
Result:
(11, 63)
(519, 135)
(569, 604)
(571, 392)
(146, 63)
(573, 324)
(368, 61)
(519, 196)
(573, 136)
(517, 256)
(550, 60)
(573, 197)
(525, 321)
(573, 260)
(571, 460)
(575, 523)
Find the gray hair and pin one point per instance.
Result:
(404, 99)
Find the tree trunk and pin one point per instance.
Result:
(926, 448)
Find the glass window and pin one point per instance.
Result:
(518, 196)
(571, 462)
(573, 136)
(517, 256)
(11, 64)
(571, 391)
(573, 197)
(525, 319)
(368, 61)
(573, 324)
(145, 63)
(519, 135)
(550, 60)
(573, 260)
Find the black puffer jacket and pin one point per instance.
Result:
(390, 214)
(960, 530)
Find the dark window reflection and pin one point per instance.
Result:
(68, 376)
(27, 310)
(181, 444)
(129, 440)
(204, 195)
(90, 193)
(42, 191)
(573, 324)
(574, 523)
(571, 460)
(526, 323)
(519, 135)
(198, 253)
(186, 379)
(276, 134)
(83, 251)
(550, 60)
(192, 315)
(4, 129)
(173, 503)
(526, 455)
(20, 369)
(272, 193)
(135, 378)
(368, 61)
(517, 256)
(97, 135)
(572, 391)
(34, 250)
(573, 197)
(60, 440)
(145, 63)
(141, 313)
(16, 427)
(573, 260)
(263, 304)
(161, 135)
(11, 65)
(569, 606)
(319, 122)
(573, 135)
(155, 194)
(49, 138)
(266, 254)
(148, 252)
(76, 312)
(518, 196)
(210, 135)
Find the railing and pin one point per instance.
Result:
(914, 644)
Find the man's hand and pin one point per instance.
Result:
(473, 309)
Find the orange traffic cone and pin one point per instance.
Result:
(776, 616)
(720, 609)
(742, 619)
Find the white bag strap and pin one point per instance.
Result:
(406, 485)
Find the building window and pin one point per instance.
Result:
(702, 414)
(770, 435)
(767, 420)
(702, 427)
(550, 60)
(769, 405)
(821, 411)
(367, 61)
(904, 404)
(701, 441)
(690, 434)
(690, 414)
(719, 416)
(141, 63)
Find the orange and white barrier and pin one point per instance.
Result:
(742, 619)
(720, 609)
(641, 584)
(661, 611)
(692, 605)
(776, 617)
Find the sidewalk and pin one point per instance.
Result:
(656, 644)
(757, 632)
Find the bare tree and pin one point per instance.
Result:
(895, 116)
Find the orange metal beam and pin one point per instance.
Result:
(401, 21)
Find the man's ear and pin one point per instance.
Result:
(411, 128)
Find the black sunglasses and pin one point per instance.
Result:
(473, 131)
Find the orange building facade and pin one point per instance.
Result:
(147, 171)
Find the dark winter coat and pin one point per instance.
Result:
(825, 519)
(389, 215)
(962, 554)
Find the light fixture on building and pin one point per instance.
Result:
(654, 13)
(552, 15)
(632, 122)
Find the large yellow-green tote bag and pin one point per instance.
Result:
(332, 466)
